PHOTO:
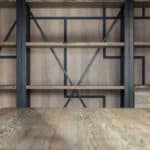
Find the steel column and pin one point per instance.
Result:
(122, 59)
(28, 52)
(21, 53)
(129, 55)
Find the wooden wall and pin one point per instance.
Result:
(45, 70)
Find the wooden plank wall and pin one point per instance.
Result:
(45, 70)
(7, 66)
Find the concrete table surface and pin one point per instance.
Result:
(64, 129)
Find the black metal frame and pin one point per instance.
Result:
(129, 54)
(21, 23)
(101, 97)
(28, 58)
(23, 59)
(5, 39)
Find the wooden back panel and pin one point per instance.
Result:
(45, 70)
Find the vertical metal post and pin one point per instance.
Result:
(21, 53)
(28, 57)
(122, 58)
(104, 49)
(129, 54)
(65, 54)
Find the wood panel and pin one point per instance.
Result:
(55, 87)
(45, 70)
(75, 45)
(142, 34)
(7, 66)
(75, 129)
(75, 4)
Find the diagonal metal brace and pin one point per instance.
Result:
(94, 56)
(9, 32)
(57, 59)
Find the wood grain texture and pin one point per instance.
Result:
(64, 129)
(45, 70)
(7, 87)
(89, 87)
(7, 66)
(83, 87)
(75, 45)
(75, 4)
(7, 44)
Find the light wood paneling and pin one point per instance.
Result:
(45, 70)
(7, 66)
(75, 4)
(75, 87)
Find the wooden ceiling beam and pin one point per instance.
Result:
(75, 4)
(6, 4)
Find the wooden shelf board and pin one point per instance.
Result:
(7, 87)
(8, 44)
(142, 44)
(142, 87)
(58, 87)
(39, 87)
(85, 45)
(75, 44)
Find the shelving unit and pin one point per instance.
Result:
(23, 45)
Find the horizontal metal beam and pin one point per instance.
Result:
(85, 17)
(8, 57)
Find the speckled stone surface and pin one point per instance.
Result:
(63, 129)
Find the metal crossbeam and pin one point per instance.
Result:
(129, 55)
(8, 57)
(28, 57)
(6, 38)
(57, 59)
(94, 57)
(86, 18)
(21, 53)
(21, 50)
